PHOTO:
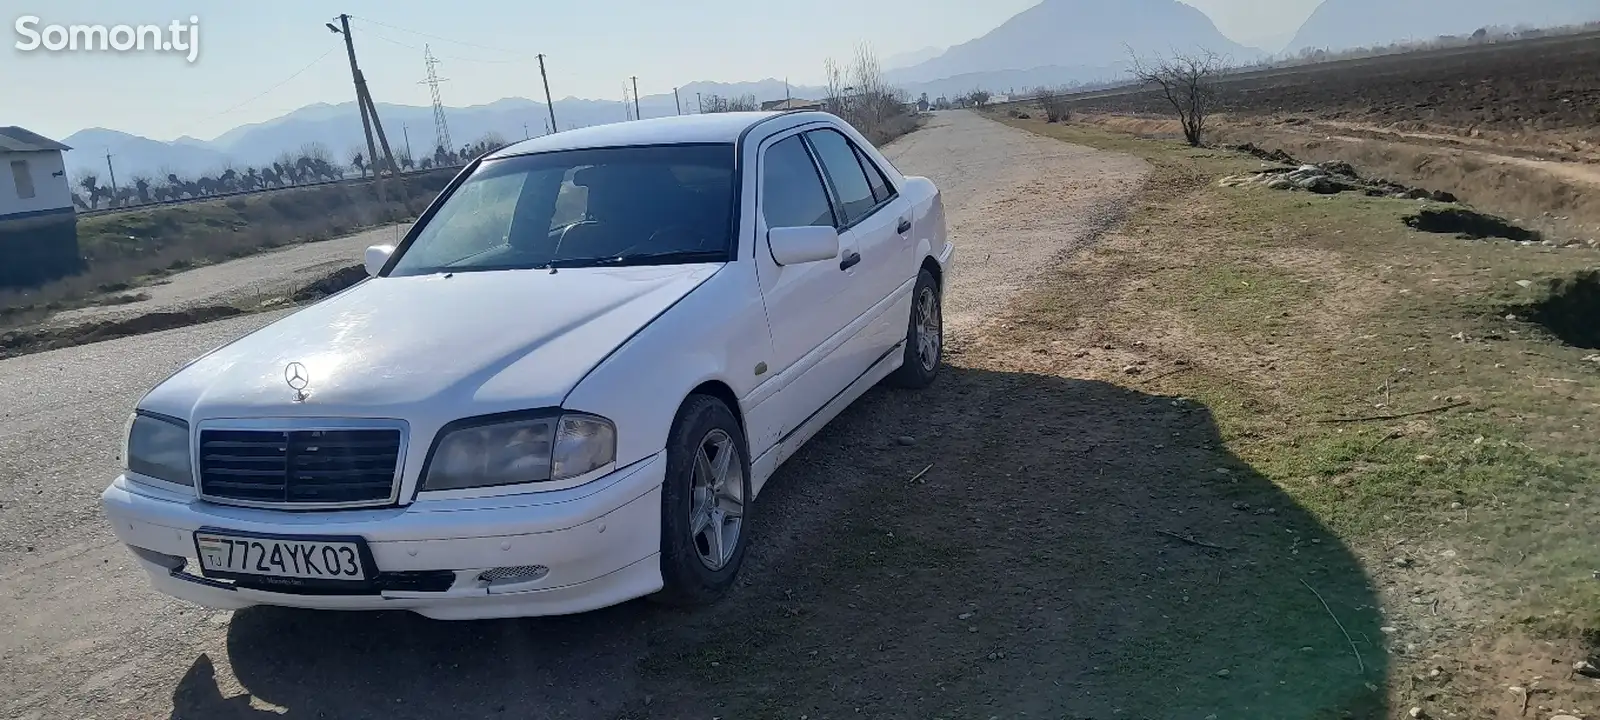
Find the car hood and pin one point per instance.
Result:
(431, 347)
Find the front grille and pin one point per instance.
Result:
(310, 467)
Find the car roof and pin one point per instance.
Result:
(672, 130)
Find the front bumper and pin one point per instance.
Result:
(601, 543)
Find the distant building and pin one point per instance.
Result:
(38, 225)
(792, 104)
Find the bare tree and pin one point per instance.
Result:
(979, 98)
(1188, 82)
(316, 151)
(1053, 102)
(91, 187)
(720, 104)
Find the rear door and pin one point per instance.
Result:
(810, 307)
(879, 221)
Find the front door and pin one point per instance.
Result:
(874, 215)
(811, 307)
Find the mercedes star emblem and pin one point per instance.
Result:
(298, 378)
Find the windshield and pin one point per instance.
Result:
(603, 206)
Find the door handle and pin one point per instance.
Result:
(905, 226)
(850, 260)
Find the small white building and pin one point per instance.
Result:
(38, 225)
(33, 175)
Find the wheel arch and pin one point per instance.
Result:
(721, 391)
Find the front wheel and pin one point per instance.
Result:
(924, 336)
(704, 503)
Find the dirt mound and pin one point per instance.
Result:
(1469, 224)
(1270, 156)
(1327, 178)
(332, 283)
(1572, 311)
(19, 342)
(39, 339)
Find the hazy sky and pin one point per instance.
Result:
(249, 50)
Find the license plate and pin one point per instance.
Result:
(227, 554)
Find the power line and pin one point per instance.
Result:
(435, 37)
(269, 90)
(409, 46)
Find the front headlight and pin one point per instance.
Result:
(519, 451)
(158, 447)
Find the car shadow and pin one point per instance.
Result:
(1001, 543)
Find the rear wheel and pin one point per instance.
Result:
(704, 503)
(924, 352)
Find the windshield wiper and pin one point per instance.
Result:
(655, 258)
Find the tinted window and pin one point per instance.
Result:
(792, 194)
(839, 161)
(603, 206)
(881, 189)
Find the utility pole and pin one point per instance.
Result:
(525, 134)
(547, 103)
(676, 101)
(361, 95)
(113, 173)
(636, 114)
(406, 130)
(698, 108)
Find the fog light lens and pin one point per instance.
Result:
(513, 575)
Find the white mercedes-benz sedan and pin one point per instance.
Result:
(563, 389)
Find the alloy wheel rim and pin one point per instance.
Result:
(716, 507)
(930, 329)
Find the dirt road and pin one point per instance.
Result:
(83, 636)
(247, 281)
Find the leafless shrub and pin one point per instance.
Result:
(737, 103)
(1053, 101)
(1188, 82)
(862, 97)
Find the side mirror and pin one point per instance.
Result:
(377, 257)
(797, 245)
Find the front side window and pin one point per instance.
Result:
(576, 208)
(792, 194)
(839, 160)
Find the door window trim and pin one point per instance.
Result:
(761, 179)
(833, 191)
(869, 167)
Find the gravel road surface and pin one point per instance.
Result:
(249, 279)
(83, 636)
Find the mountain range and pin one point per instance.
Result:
(1081, 40)
(1339, 24)
(1055, 42)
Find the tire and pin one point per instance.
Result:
(704, 428)
(921, 363)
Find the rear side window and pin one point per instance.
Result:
(839, 161)
(881, 189)
(792, 194)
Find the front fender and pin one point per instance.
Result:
(716, 333)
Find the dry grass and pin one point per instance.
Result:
(1284, 310)
(1561, 200)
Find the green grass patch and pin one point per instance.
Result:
(1358, 315)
